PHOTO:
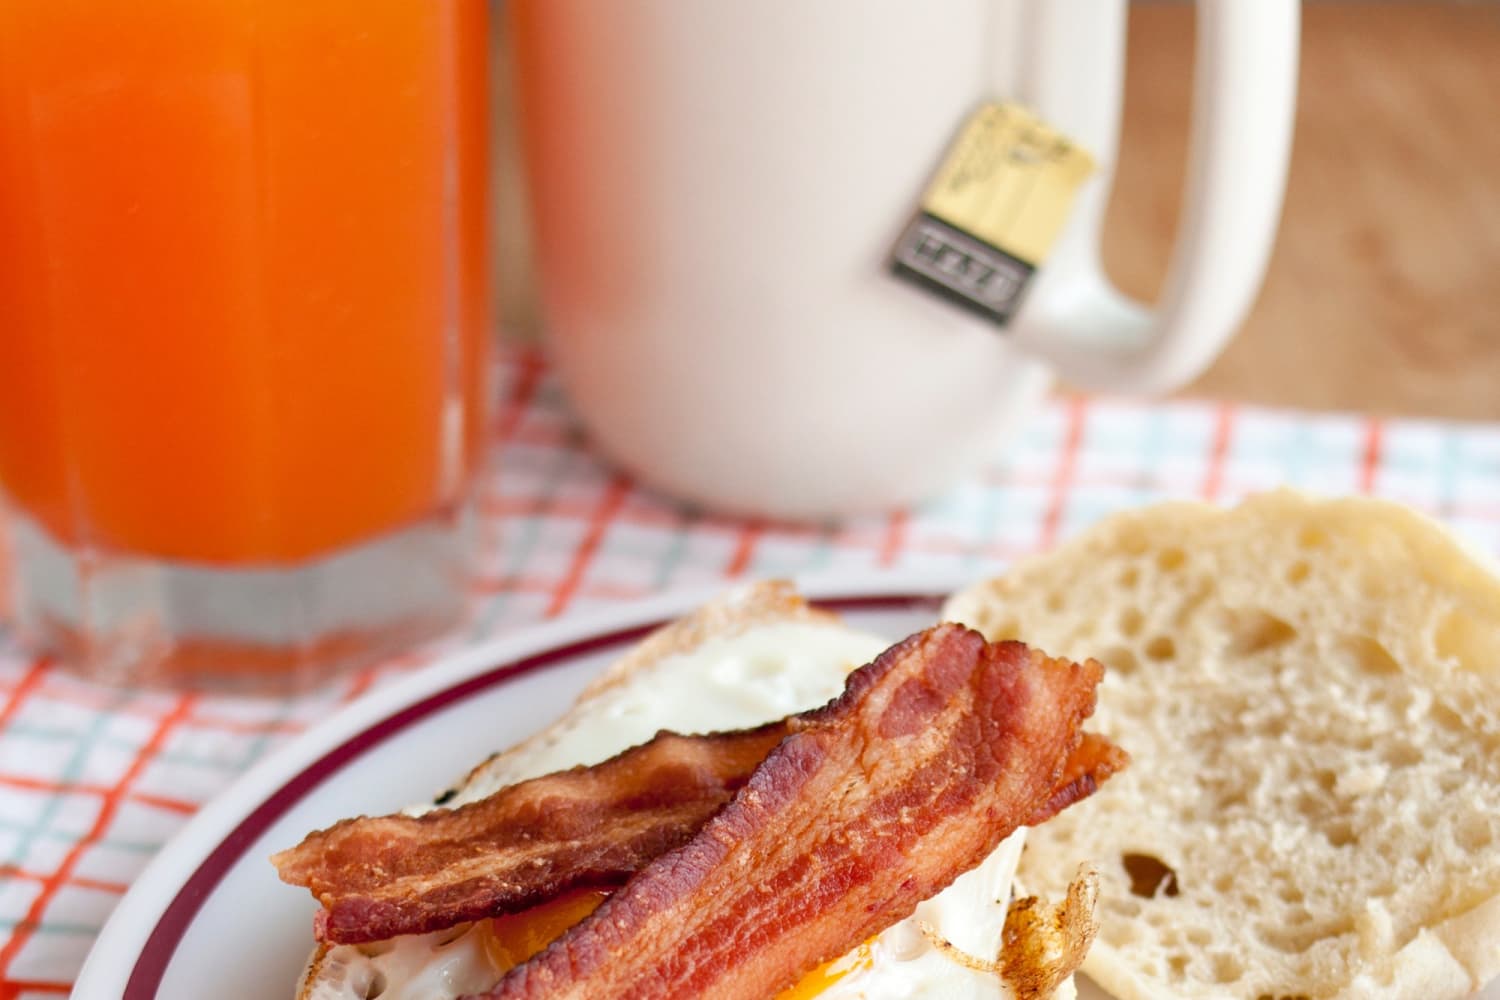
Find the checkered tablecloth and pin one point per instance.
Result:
(93, 780)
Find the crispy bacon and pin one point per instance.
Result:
(934, 753)
(379, 877)
(1088, 766)
(596, 826)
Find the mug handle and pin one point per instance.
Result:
(1244, 104)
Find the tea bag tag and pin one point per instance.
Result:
(993, 211)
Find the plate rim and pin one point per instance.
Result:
(139, 939)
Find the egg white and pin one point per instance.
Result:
(729, 682)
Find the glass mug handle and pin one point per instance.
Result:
(1244, 103)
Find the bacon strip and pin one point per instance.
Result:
(383, 876)
(1094, 761)
(379, 877)
(934, 753)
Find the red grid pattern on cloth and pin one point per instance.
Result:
(93, 780)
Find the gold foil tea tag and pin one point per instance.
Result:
(993, 211)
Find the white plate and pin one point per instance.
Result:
(209, 918)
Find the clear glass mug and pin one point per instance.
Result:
(244, 319)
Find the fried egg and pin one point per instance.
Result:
(727, 682)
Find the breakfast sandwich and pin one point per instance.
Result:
(756, 802)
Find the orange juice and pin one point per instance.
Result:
(244, 285)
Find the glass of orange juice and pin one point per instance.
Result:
(244, 313)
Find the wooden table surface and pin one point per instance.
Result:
(1384, 290)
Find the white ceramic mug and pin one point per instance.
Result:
(716, 187)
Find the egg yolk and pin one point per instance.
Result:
(515, 937)
(825, 975)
